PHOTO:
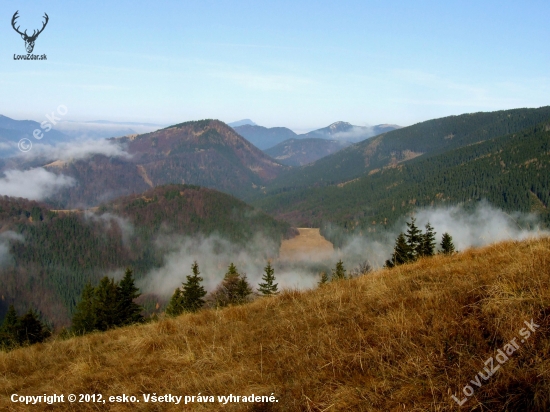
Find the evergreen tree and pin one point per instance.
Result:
(193, 292)
(447, 246)
(8, 331)
(268, 288)
(106, 304)
(339, 272)
(175, 307)
(324, 279)
(414, 240)
(244, 289)
(84, 319)
(227, 292)
(428, 241)
(128, 311)
(401, 252)
(31, 330)
(234, 288)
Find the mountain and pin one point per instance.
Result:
(299, 152)
(266, 138)
(406, 339)
(48, 256)
(242, 123)
(395, 147)
(12, 131)
(207, 153)
(263, 137)
(348, 132)
(511, 172)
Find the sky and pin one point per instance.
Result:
(301, 64)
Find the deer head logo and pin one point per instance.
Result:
(29, 40)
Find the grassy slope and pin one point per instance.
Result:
(404, 339)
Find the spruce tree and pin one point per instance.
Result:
(244, 289)
(31, 330)
(128, 311)
(414, 240)
(324, 279)
(428, 241)
(175, 306)
(447, 246)
(401, 252)
(106, 304)
(227, 292)
(84, 319)
(193, 292)
(8, 331)
(339, 272)
(268, 288)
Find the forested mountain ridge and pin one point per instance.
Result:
(512, 172)
(207, 153)
(51, 255)
(299, 152)
(420, 140)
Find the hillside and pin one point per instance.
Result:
(264, 137)
(347, 132)
(421, 140)
(49, 256)
(409, 338)
(207, 153)
(299, 152)
(511, 172)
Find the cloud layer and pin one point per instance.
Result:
(34, 184)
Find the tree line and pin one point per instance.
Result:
(414, 244)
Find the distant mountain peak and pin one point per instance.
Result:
(242, 123)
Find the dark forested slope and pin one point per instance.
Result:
(48, 256)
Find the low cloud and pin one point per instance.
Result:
(214, 254)
(5, 239)
(34, 184)
(473, 227)
(107, 219)
(356, 133)
(77, 150)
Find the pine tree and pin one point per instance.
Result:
(268, 288)
(128, 311)
(84, 319)
(105, 304)
(414, 240)
(447, 246)
(339, 272)
(428, 241)
(175, 306)
(193, 292)
(324, 279)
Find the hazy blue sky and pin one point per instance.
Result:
(301, 64)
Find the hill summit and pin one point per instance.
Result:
(206, 153)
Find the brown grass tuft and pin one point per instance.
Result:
(394, 340)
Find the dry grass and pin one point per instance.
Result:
(397, 340)
(309, 245)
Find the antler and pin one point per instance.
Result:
(13, 19)
(35, 35)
